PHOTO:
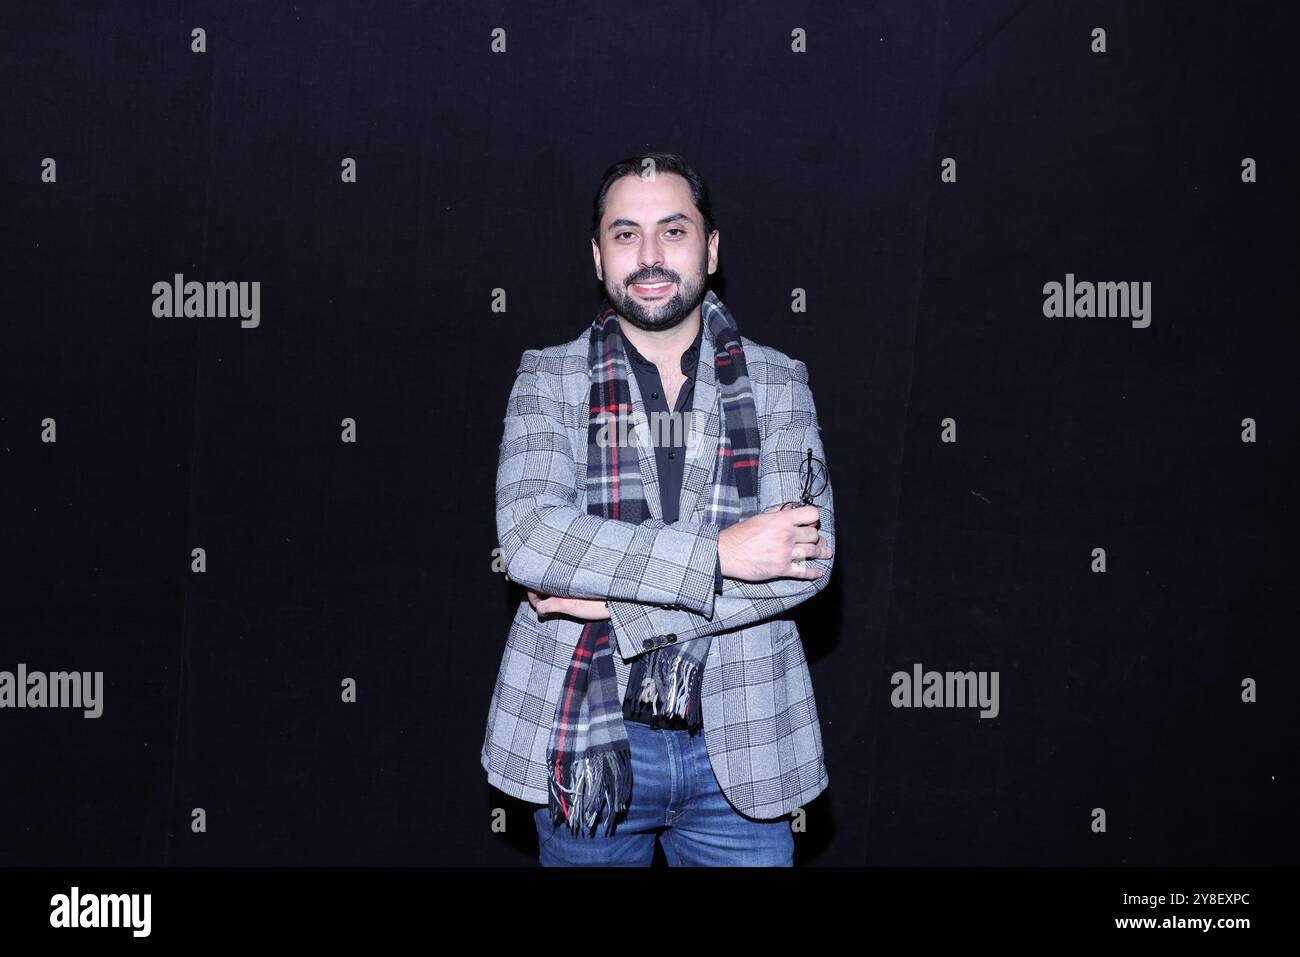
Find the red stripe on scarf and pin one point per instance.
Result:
(614, 474)
(738, 463)
(568, 698)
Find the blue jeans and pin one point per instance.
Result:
(675, 795)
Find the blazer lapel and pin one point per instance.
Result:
(702, 444)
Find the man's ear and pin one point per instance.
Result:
(595, 258)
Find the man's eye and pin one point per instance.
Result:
(676, 230)
(622, 234)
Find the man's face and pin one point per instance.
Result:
(651, 232)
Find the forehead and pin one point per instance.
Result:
(646, 200)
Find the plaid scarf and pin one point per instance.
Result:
(589, 757)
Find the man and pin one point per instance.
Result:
(651, 682)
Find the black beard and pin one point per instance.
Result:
(668, 314)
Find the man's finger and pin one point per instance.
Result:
(806, 515)
(806, 572)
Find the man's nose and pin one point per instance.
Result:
(651, 254)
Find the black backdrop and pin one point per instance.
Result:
(475, 171)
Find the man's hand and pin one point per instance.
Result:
(586, 609)
(773, 544)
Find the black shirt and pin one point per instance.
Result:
(670, 460)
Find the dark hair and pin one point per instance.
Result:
(663, 163)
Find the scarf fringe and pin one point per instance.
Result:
(593, 787)
(675, 688)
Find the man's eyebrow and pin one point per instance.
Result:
(672, 217)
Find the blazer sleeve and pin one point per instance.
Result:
(792, 430)
(552, 546)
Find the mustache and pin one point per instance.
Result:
(652, 278)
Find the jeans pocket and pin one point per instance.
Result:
(542, 821)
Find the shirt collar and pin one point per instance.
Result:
(690, 358)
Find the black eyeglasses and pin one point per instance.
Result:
(812, 475)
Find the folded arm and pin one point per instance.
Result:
(552, 546)
(793, 429)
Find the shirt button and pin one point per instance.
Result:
(648, 644)
(672, 455)
(672, 639)
(654, 395)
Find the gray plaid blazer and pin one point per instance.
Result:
(760, 720)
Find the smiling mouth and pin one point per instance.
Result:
(651, 288)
